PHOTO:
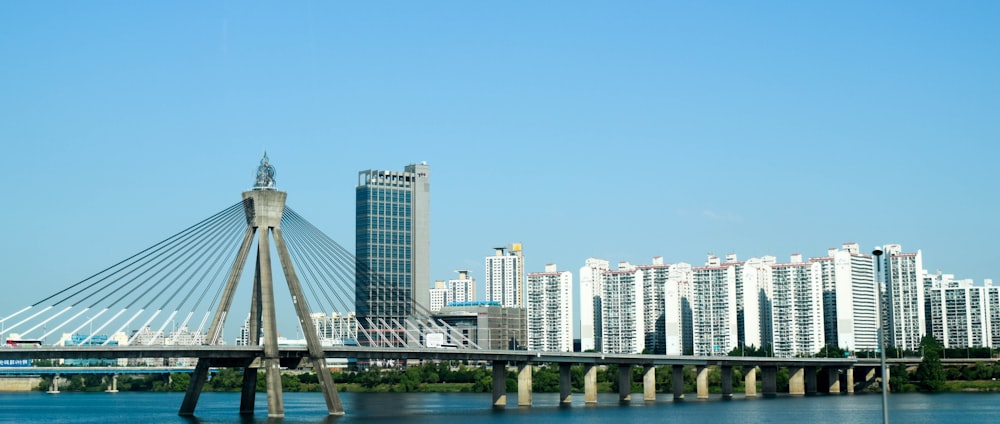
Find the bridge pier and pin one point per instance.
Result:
(249, 393)
(702, 381)
(678, 381)
(624, 383)
(54, 386)
(833, 376)
(727, 381)
(649, 383)
(750, 381)
(113, 384)
(770, 375)
(198, 378)
(796, 380)
(524, 384)
(849, 382)
(811, 385)
(565, 384)
(590, 384)
(499, 384)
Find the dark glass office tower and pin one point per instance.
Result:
(392, 277)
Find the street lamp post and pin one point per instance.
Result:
(881, 335)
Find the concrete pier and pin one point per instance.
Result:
(624, 383)
(499, 384)
(589, 384)
(727, 381)
(750, 381)
(850, 380)
(796, 381)
(678, 381)
(702, 382)
(811, 384)
(833, 376)
(54, 386)
(112, 384)
(565, 385)
(770, 376)
(649, 383)
(524, 384)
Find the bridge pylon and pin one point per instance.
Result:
(264, 206)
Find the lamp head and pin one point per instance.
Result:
(877, 252)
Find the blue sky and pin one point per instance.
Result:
(580, 129)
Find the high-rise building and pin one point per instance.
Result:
(795, 298)
(439, 296)
(392, 273)
(678, 327)
(623, 325)
(462, 289)
(963, 314)
(590, 303)
(715, 325)
(904, 297)
(850, 318)
(655, 279)
(505, 276)
(550, 310)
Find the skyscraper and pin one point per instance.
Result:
(392, 243)
(623, 326)
(590, 303)
(795, 298)
(462, 289)
(904, 297)
(550, 310)
(505, 277)
(849, 313)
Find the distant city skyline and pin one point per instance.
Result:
(611, 131)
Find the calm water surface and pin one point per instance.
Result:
(440, 408)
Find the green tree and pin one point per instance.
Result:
(930, 374)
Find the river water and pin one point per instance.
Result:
(438, 408)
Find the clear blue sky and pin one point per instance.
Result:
(619, 130)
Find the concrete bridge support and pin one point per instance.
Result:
(565, 385)
(524, 384)
(589, 384)
(770, 375)
(499, 384)
(702, 382)
(54, 386)
(849, 376)
(678, 381)
(649, 383)
(624, 383)
(750, 381)
(811, 385)
(727, 381)
(112, 384)
(796, 380)
(833, 376)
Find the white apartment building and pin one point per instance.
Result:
(654, 284)
(505, 277)
(795, 298)
(462, 289)
(439, 295)
(622, 318)
(963, 314)
(904, 297)
(550, 310)
(333, 329)
(590, 303)
(715, 326)
(850, 316)
(677, 320)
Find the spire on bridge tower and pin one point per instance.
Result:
(264, 206)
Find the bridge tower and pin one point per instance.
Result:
(263, 206)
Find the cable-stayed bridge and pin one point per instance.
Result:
(173, 299)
